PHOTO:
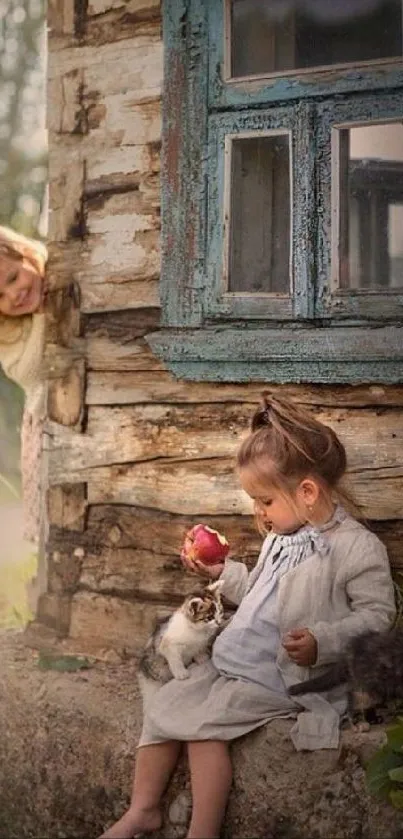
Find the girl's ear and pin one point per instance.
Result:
(309, 492)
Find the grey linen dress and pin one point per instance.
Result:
(335, 581)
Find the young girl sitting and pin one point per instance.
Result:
(320, 579)
(22, 333)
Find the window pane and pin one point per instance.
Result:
(259, 238)
(371, 207)
(278, 35)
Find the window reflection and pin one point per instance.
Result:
(371, 207)
(283, 35)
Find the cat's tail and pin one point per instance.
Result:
(333, 677)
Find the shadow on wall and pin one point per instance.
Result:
(17, 562)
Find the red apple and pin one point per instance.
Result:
(205, 544)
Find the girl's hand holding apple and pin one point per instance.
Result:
(204, 551)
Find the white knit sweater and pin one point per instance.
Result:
(22, 362)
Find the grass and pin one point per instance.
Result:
(14, 608)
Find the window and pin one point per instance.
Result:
(283, 190)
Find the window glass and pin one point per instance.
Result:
(283, 35)
(259, 215)
(370, 193)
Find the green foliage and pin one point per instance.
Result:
(15, 577)
(385, 770)
(23, 148)
(398, 585)
(63, 663)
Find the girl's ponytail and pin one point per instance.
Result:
(294, 443)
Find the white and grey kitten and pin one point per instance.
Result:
(181, 638)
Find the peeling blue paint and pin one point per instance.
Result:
(199, 109)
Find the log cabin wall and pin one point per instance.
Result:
(135, 455)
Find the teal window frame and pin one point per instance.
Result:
(314, 336)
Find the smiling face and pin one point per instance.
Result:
(20, 287)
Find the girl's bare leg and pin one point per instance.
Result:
(153, 769)
(211, 778)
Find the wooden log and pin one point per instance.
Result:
(105, 388)
(104, 354)
(125, 624)
(54, 611)
(133, 65)
(209, 487)
(139, 575)
(162, 533)
(148, 432)
(145, 8)
(391, 534)
(119, 23)
(65, 194)
(122, 327)
(118, 294)
(64, 106)
(61, 17)
(66, 506)
(66, 397)
(123, 239)
(64, 259)
(64, 570)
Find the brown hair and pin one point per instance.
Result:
(287, 443)
(18, 247)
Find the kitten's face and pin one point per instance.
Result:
(205, 608)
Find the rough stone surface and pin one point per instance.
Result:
(67, 743)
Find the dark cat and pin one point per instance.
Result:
(372, 668)
(181, 638)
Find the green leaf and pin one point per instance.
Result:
(377, 773)
(63, 663)
(396, 798)
(396, 774)
(395, 737)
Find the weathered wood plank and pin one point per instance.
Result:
(104, 620)
(130, 7)
(134, 434)
(209, 487)
(65, 193)
(142, 530)
(60, 17)
(66, 397)
(136, 574)
(134, 64)
(162, 387)
(118, 294)
(66, 506)
(103, 354)
(391, 534)
(123, 234)
(121, 327)
(64, 258)
(119, 20)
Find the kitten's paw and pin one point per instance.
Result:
(181, 675)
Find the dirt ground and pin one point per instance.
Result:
(67, 746)
(67, 742)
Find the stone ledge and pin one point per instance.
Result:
(67, 744)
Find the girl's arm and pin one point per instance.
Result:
(235, 578)
(370, 592)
